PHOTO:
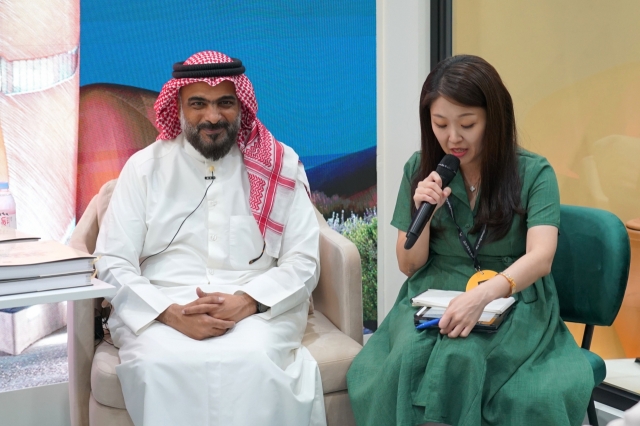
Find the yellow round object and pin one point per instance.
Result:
(480, 277)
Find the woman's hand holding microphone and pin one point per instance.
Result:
(430, 190)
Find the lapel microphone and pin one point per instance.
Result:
(212, 177)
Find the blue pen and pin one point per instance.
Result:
(427, 324)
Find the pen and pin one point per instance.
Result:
(427, 324)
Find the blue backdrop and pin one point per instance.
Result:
(312, 63)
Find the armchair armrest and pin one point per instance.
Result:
(339, 292)
(85, 234)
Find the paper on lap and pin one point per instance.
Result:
(441, 299)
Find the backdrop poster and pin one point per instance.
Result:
(313, 68)
(39, 112)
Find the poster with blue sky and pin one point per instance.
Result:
(313, 67)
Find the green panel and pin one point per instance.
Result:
(591, 265)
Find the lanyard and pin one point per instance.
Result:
(471, 251)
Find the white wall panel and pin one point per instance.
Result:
(403, 57)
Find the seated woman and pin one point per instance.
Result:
(530, 372)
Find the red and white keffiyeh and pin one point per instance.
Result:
(272, 174)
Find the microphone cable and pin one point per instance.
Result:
(211, 178)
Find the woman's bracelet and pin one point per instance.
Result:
(512, 283)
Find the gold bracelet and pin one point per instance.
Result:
(512, 283)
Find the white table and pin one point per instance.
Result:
(624, 374)
(96, 289)
(52, 400)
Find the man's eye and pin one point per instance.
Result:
(197, 104)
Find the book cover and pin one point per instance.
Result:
(37, 252)
(44, 283)
(39, 258)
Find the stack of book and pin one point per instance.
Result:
(28, 265)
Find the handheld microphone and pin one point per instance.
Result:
(447, 169)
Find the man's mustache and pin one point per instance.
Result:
(207, 125)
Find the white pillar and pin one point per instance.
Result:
(403, 57)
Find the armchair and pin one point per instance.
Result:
(333, 334)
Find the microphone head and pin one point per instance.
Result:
(447, 169)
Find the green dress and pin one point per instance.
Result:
(531, 372)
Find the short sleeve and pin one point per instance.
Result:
(543, 204)
(402, 213)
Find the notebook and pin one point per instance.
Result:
(433, 304)
(441, 298)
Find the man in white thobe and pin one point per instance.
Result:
(212, 243)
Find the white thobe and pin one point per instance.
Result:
(256, 373)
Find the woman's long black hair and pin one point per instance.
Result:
(471, 81)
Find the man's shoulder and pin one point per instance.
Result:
(289, 150)
(412, 166)
(292, 167)
(156, 151)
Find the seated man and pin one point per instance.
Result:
(212, 243)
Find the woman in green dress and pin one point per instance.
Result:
(530, 372)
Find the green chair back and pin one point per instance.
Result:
(591, 265)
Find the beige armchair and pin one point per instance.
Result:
(333, 334)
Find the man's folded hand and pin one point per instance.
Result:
(222, 306)
(196, 326)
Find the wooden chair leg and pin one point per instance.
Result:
(591, 413)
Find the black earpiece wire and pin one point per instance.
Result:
(252, 261)
(212, 178)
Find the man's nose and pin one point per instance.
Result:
(212, 114)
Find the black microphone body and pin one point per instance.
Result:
(447, 169)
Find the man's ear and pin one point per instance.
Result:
(180, 112)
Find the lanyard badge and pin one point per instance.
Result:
(481, 275)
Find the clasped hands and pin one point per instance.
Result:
(210, 315)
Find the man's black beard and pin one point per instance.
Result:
(212, 147)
